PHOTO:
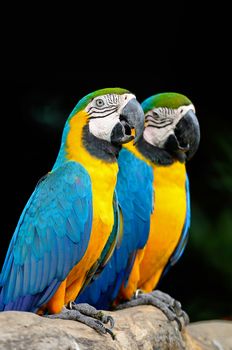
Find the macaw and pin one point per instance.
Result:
(69, 217)
(155, 241)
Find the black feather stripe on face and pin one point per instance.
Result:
(155, 154)
(99, 148)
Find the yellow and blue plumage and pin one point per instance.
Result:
(171, 135)
(70, 215)
(134, 177)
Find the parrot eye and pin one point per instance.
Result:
(156, 114)
(99, 102)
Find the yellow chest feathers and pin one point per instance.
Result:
(170, 205)
(103, 174)
(169, 214)
(167, 222)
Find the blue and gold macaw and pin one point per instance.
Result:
(69, 217)
(171, 136)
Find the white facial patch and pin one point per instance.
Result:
(160, 123)
(104, 112)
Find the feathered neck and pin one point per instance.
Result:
(80, 145)
(156, 155)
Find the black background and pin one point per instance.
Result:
(46, 69)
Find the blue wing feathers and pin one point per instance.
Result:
(51, 237)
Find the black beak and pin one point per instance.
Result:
(185, 141)
(131, 117)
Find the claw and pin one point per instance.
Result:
(111, 321)
(113, 336)
(103, 330)
(87, 315)
(178, 323)
(164, 302)
(185, 317)
(105, 319)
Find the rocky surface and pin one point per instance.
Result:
(142, 327)
(212, 334)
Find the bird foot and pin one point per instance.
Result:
(88, 315)
(164, 302)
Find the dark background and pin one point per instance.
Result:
(187, 51)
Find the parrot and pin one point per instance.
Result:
(72, 212)
(154, 196)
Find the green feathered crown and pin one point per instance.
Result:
(85, 100)
(167, 99)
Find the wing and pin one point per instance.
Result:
(108, 250)
(135, 195)
(185, 232)
(92, 291)
(51, 237)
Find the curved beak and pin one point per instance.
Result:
(185, 141)
(131, 117)
(187, 132)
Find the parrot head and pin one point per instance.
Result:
(111, 114)
(171, 124)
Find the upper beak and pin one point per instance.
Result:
(131, 117)
(187, 132)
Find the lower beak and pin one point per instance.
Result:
(131, 117)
